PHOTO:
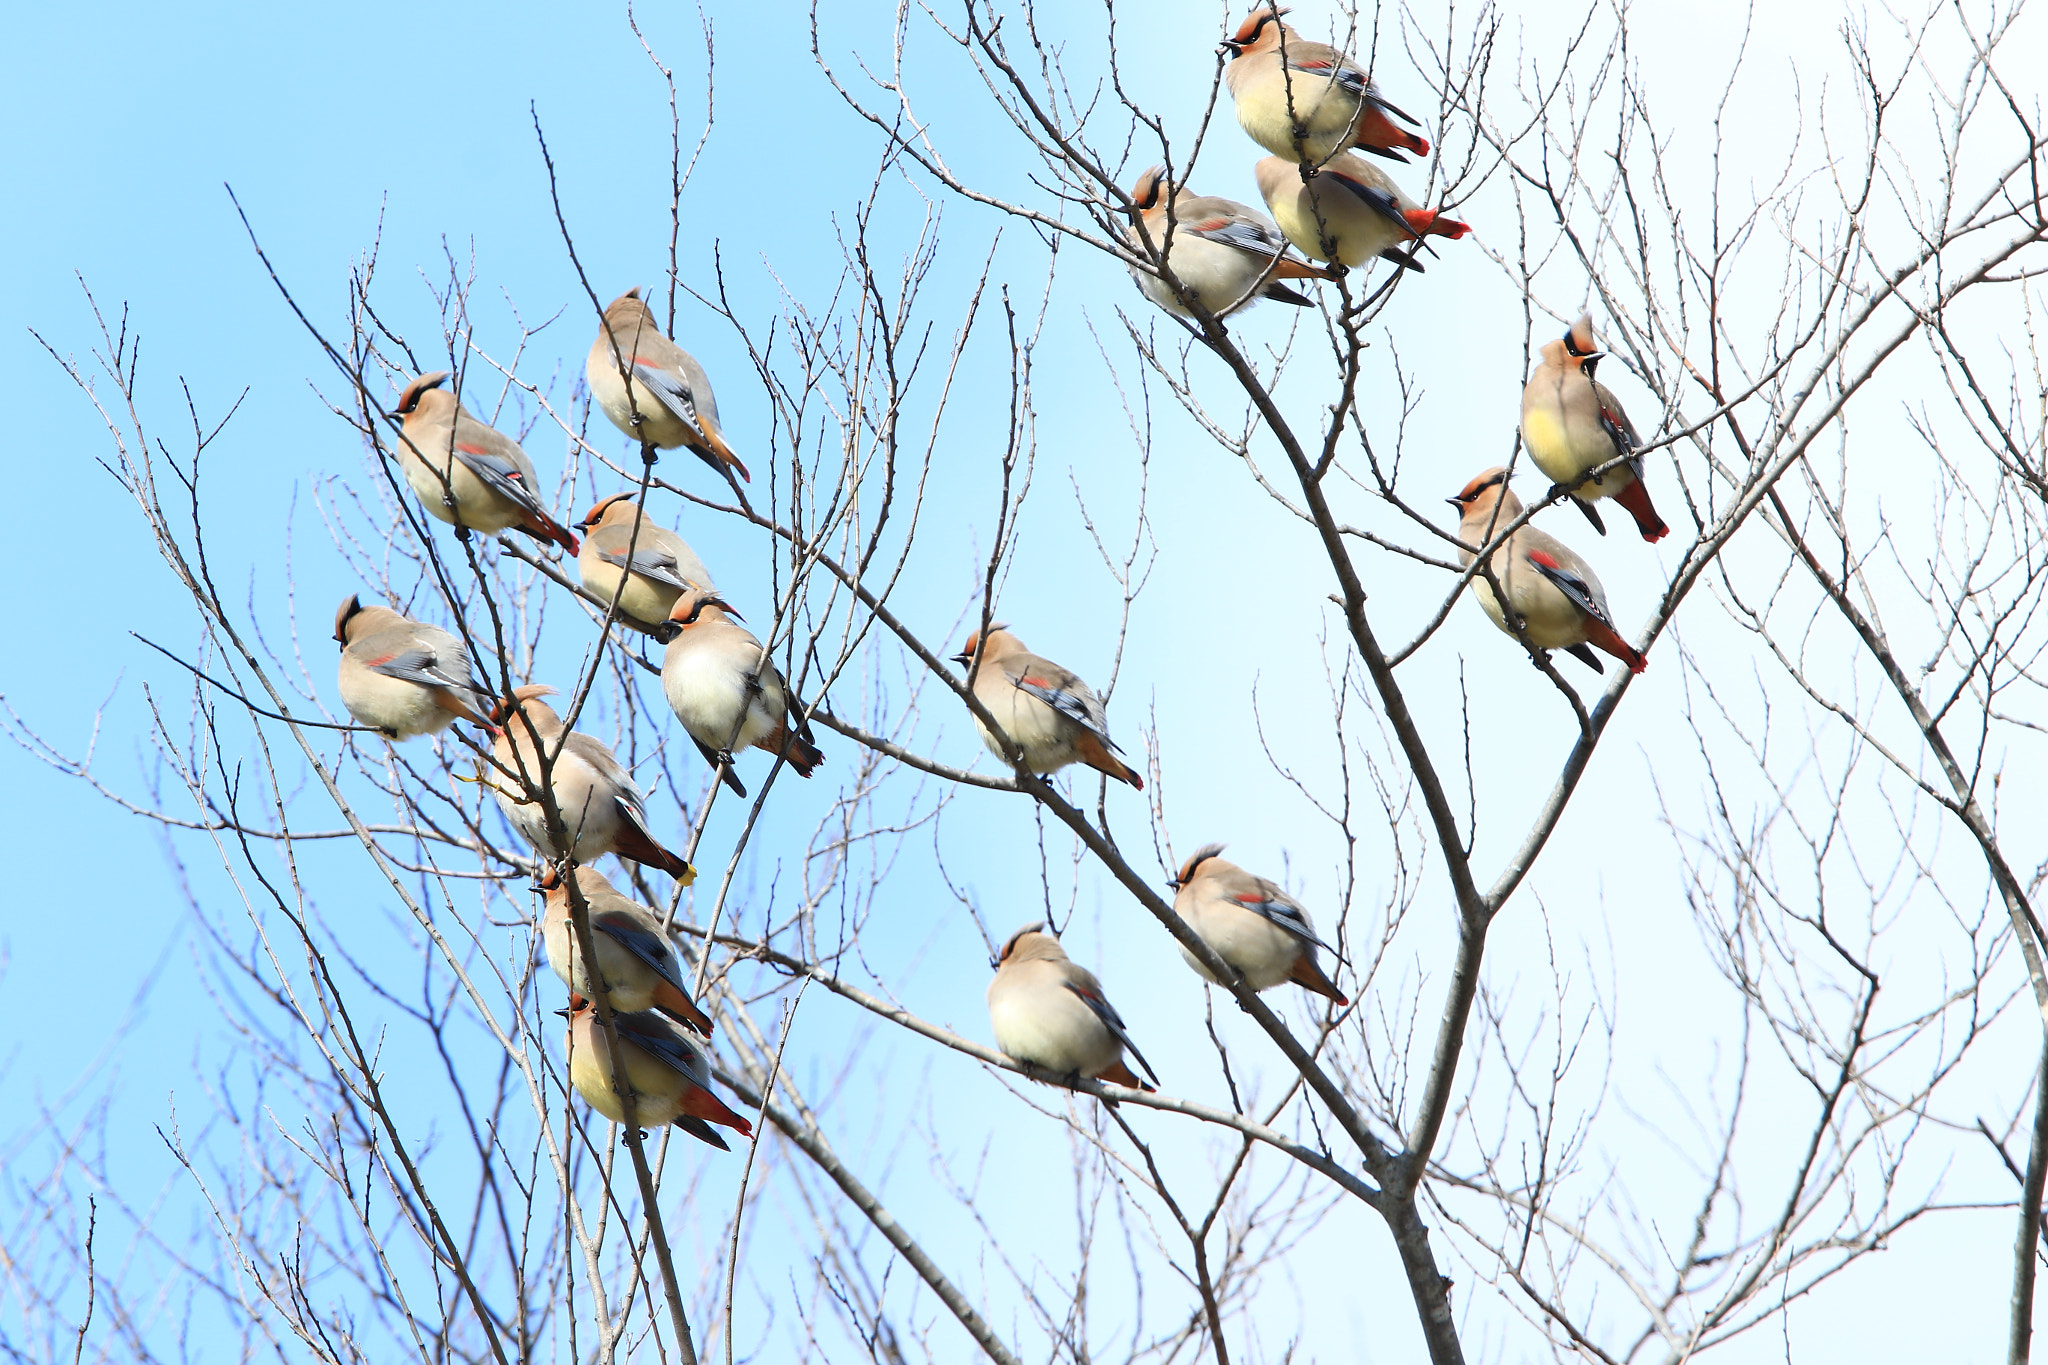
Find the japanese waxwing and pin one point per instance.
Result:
(1307, 101)
(1552, 590)
(1049, 1012)
(664, 1066)
(1046, 711)
(465, 473)
(662, 563)
(602, 811)
(724, 690)
(1251, 924)
(640, 967)
(402, 677)
(1349, 212)
(1571, 423)
(669, 402)
(1226, 253)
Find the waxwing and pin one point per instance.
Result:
(1308, 101)
(1251, 924)
(1047, 712)
(1050, 1013)
(1349, 212)
(1572, 424)
(602, 811)
(640, 968)
(664, 1067)
(661, 563)
(402, 677)
(668, 402)
(725, 691)
(1227, 254)
(465, 473)
(1553, 591)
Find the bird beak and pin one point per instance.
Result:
(994, 963)
(1229, 45)
(1455, 502)
(963, 659)
(1173, 883)
(561, 1014)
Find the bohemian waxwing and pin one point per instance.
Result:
(1049, 1012)
(1551, 589)
(662, 563)
(640, 967)
(402, 677)
(1226, 253)
(1572, 424)
(724, 690)
(1307, 101)
(602, 811)
(1046, 711)
(465, 473)
(664, 1066)
(1350, 212)
(1251, 924)
(670, 402)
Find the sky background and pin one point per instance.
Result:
(338, 127)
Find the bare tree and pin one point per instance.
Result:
(391, 1162)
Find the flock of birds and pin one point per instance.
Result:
(1306, 103)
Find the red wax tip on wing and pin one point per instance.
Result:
(1544, 558)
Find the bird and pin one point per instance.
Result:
(640, 968)
(1251, 924)
(722, 687)
(469, 475)
(1572, 423)
(1552, 590)
(662, 563)
(1050, 1013)
(668, 402)
(1349, 211)
(663, 1065)
(602, 810)
(1048, 713)
(1227, 254)
(1308, 101)
(402, 677)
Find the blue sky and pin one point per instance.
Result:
(336, 126)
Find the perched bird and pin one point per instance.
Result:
(640, 967)
(1251, 924)
(724, 690)
(1046, 711)
(669, 402)
(602, 811)
(1308, 101)
(1571, 423)
(465, 473)
(663, 1065)
(402, 677)
(1552, 590)
(1349, 211)
(1050, 1013)
(1226, 253)
(662, 564)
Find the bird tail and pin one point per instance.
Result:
(541, 526)
(1602, 636)
(716, 453)
(1430, 223)
(1090, 749)
(1289, 268)
(702, 1104)
(679, 1007)
(1375, 132)
(635, 843)
(1636, 500)
(1309, 976)
(803, 755)
(1119, 1074)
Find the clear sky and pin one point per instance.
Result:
(335, 127)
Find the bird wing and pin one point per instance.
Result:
(650, 562)
(1586, 596)
(1619, 429)
(1064, 693)
(632, 801)
(417, 664)
(1378, 200)
(1091, 995)
(643, 943)
(1246, 234)
(673, 392)
(1350, 79)
(499, 474)
(1283, 910)
(666, 1043)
